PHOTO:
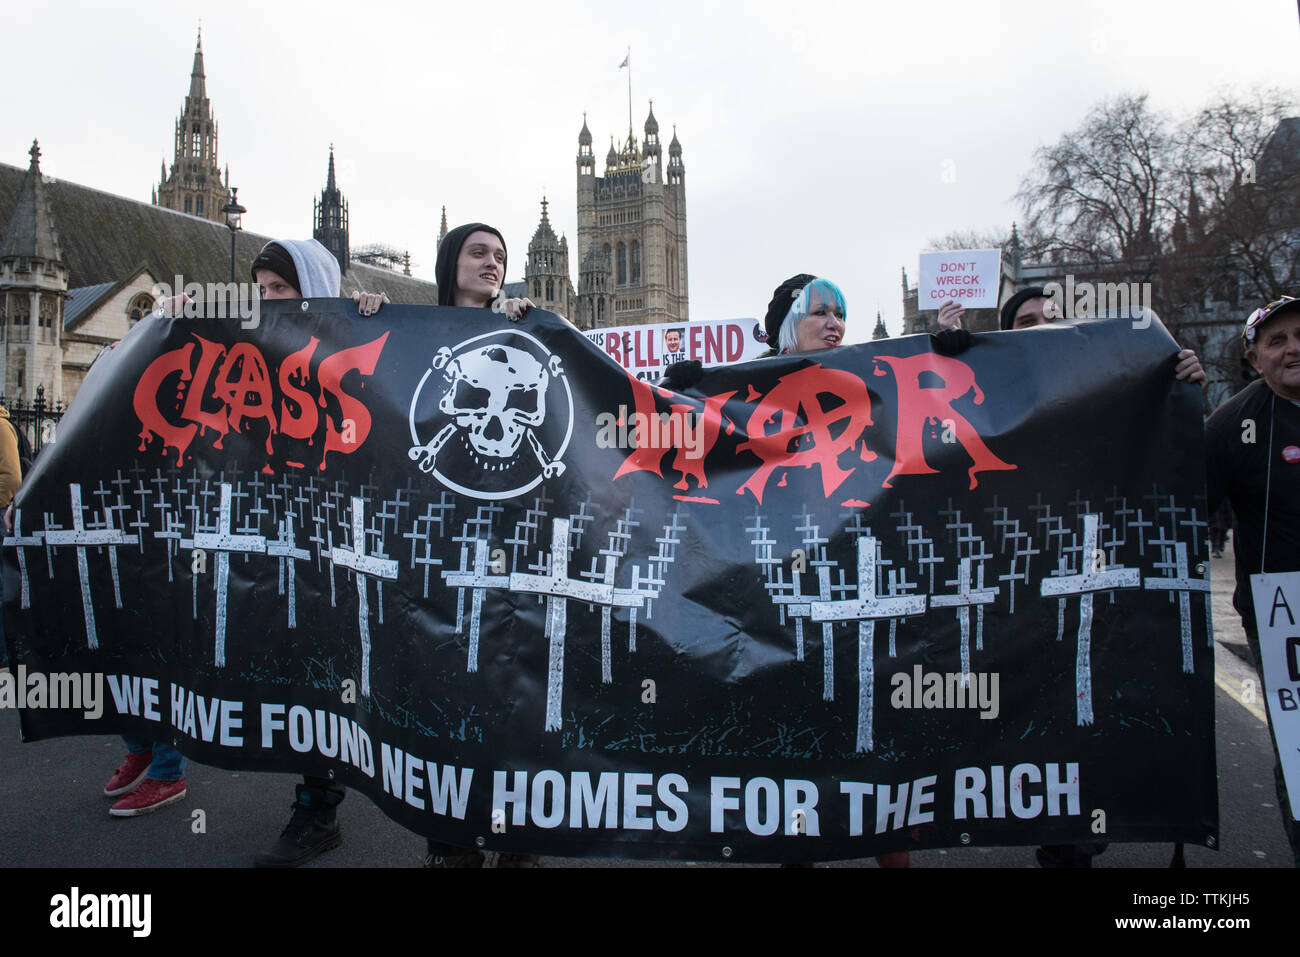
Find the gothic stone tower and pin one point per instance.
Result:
(635, 217)
(33, 289)
(330, 218)
(546, 273)
(194, 185)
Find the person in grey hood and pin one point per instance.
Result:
(304, 269)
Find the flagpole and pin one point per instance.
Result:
(629, 93)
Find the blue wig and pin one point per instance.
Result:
(827, 292)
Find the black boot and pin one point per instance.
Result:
(312, 830)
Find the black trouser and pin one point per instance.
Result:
(1279, 781)
(326, 793)
(439, 849)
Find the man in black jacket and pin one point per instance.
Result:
(1253, 461)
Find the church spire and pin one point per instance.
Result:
(198, 82)
(194, 184)
(31, 233)
(330, 218)
(442, 233)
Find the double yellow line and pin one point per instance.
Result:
(1234, 688)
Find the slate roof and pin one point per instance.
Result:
(84, 299)
(106, 237)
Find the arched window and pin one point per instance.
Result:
(198, 205)
(550, 290)
(140, 307)
(537, 288)
(636, 263)
(195, 142)
(600, 311)
(622, 265)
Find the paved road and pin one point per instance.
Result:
(55, 816)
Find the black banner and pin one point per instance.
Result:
(516, 596)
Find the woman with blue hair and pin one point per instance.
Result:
(806, 313)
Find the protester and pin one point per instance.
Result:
(1220, 525)
(1026, 309)
(305, 269)
(1253, 461)
(471, 270)
(807, 314)
(11, 476)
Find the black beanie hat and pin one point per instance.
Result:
(449, 254)
(782, 299)
(275, 258)
(1012, 305)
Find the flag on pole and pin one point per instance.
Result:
(627, 60)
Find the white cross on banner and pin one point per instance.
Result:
(867, 609)
(1085, 586)
(559, 588)
(363, 565)
(79, 536)
(223, 543)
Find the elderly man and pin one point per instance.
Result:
(1253, 460)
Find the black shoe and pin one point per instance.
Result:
(468, 857)
(1068, 855)
(312, 830)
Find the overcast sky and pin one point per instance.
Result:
(814, 134)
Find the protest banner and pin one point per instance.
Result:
(821, 606)
(647, 350)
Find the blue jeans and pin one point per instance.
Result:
(168, 764)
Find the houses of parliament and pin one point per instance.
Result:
(78, 266)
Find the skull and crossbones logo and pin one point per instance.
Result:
(494, 405)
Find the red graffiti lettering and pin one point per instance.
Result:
(653, 444)
(918, 406)
(210, 353)
(804, 436)
(246, 390)
(145, 403)
(299, 424)
(330, 374)
(248, 396)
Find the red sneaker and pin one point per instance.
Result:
(149, 796)
(130, 774)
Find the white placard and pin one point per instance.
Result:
(647, 350)
(972, 277)
(1277, 615)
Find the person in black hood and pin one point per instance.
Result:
(471, 270)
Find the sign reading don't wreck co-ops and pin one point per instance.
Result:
(404, 550)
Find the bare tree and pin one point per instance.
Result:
(1239, 163)
(1104, 191)
(992, 238)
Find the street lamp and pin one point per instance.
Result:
(233, 211)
